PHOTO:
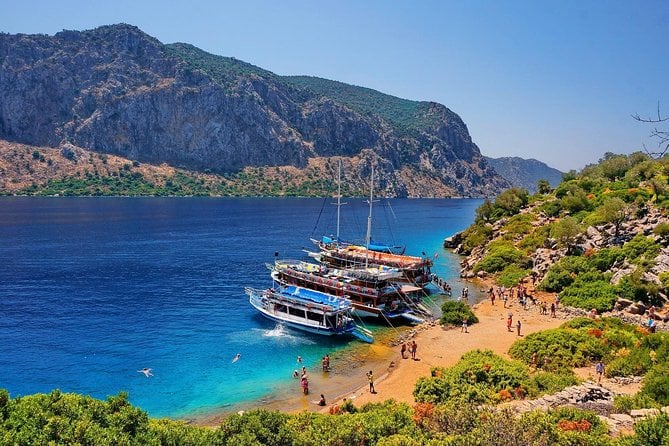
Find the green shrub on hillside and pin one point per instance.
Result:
(563, 273)
(626, 350)
(512, 275)
(548, 382)
(535, 239)
(640, 248)
(500, 255)
(506, 204)
(477, 378)
(477, 234)
(556, 349)
(518, 225)
(590, 290)
(656, 384)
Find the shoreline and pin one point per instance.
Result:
(438, 346)
(347, 373)
(395, 377)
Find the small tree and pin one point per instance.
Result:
(614, 210)
(566, 232)
(543, 187)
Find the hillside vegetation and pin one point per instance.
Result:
(600, 237)
(72, 171)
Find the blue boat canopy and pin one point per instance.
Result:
(316, 297)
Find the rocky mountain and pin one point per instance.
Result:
(525, 173)
(115, 90)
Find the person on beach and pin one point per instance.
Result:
(544, 310)
(304, 371)
(464, 325)
(305, 385)
(322, 402)
(327, 362)
(552, 310)
(403, 350)
(370, 377)
(509, 321)
(599, 368)
(414, 347)
(518, 327)
(299, 360)
(504, 299)
(324, 364)
(296, 374)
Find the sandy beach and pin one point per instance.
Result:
(442, 346)
(395, 377)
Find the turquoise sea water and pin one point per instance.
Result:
(94, 289)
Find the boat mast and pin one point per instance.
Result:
(338, 198)
(368, 238)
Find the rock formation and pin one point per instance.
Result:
(116, 90)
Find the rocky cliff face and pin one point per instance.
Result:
(116, 90)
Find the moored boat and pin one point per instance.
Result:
(373, 291)
(308, 310)
(415, 270)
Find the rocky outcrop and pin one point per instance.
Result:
(594, 397)
(118, 91)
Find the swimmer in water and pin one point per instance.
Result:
(146, 372)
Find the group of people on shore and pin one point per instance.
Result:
(304, 379)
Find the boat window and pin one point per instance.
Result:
(281, 308)
(296, 311)
(314, 316)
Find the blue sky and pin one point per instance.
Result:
(556, 81)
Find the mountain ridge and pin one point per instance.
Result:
(118, 91)
(525, 173)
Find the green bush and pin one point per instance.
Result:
(511, 276)
(518, 224)
(453, 313)
(476, 379)
(549, 382)
(652, 431)
(563, 273)
(590, 290)
(499, 256)
(476, 235)
(627, 403)
(535, 240)
(656, 384)
(661, 229)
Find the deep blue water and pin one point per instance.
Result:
(94, 289)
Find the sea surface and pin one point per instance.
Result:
(94, 289)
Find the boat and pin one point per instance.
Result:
(308, 310)
(415, 270)
(335, 241)
(374, 291)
